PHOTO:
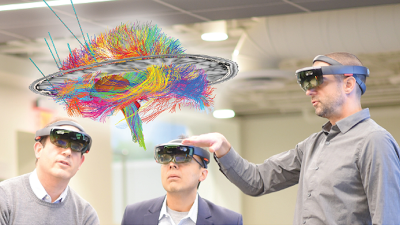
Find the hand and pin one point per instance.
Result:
(215, 142)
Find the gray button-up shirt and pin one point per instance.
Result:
(348, 173)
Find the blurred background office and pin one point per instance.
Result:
(269, 39)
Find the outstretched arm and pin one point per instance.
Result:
(276, 173)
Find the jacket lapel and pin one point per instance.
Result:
(151, 217)
(203, 215)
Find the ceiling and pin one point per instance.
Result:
(30, 24)
(22, 34)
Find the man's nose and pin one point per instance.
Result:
(66, 151)
(172, 164)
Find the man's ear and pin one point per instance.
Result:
(349, 84)
(82, 160)
(38, 147)
(204, 173)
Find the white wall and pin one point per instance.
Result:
(16, 114)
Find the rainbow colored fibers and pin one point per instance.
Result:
(140, 95)
(124, 41)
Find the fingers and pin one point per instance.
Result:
(215, 142)
(204, 140)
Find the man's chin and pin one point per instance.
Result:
(320, 113)
(62, 174)
(173, 189)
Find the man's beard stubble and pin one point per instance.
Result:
(330, 105)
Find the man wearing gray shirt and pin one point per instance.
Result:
(43, 196)
(348, 173)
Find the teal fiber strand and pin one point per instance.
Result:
(76, 15)
(62, 22)
(52, 53)
(55, 49)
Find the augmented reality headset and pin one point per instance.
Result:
(65, 138)
(311, 77)
(175, 151)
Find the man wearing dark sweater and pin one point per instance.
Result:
(182, 170)
(43, 196)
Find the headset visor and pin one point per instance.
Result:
(178, 153)
(76, 141)
(311, 77)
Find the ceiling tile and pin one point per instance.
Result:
(6, 38)
(160, 20)
(319, 5)
(7, 2)
(116, 9)
(195, 5)
(248, 11)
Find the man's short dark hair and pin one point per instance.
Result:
(347, 59)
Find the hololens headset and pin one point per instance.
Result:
(311, 77)
(175, 151)
(65, 138)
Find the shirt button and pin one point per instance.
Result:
(309, 195)
(304, 222)
(327, 143)
(317, 168)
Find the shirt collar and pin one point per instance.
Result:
(349, 122)
(192, 212)
(39, 190)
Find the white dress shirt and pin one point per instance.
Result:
(40, 192)
(190, 219)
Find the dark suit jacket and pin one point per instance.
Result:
(147, 212)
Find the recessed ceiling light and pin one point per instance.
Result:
(224, 113)
(214, 31)
(217, 36)
(31, 5)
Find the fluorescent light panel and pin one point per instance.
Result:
(220, 36)
(32, 5)
(224, 113)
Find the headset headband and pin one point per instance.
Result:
(66, 122)
(326, 59)
(40, 132)
(333, 62)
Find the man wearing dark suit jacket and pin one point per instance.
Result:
(182, 170)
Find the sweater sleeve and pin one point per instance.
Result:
(91, 217)
(4, 209)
